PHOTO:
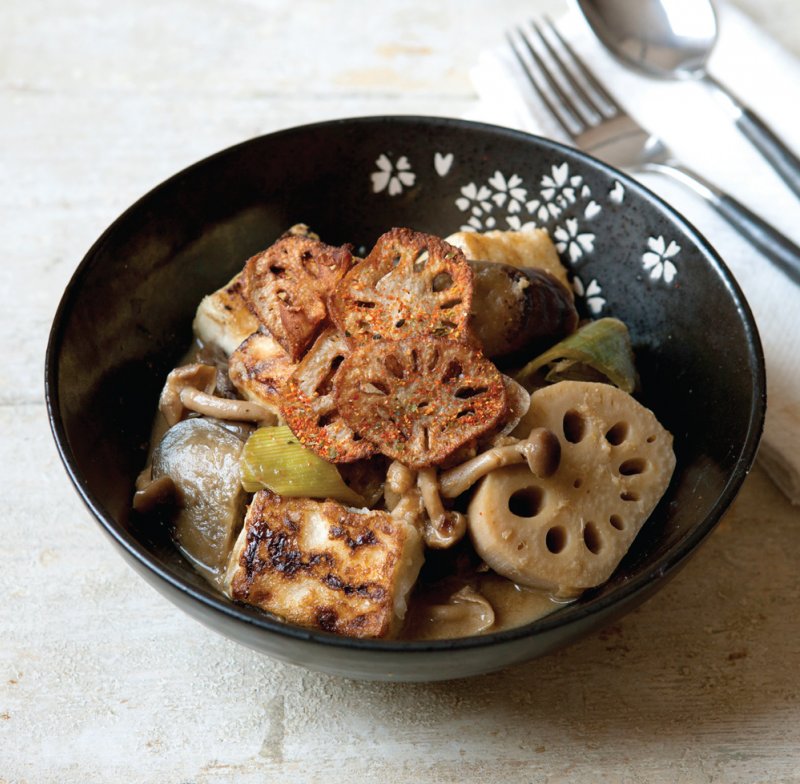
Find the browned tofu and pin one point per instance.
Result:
(223, 318)
(321, 564)
(259, 368)
(530, 248)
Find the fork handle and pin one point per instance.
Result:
(763, 138)
(777, 247)
(783, 160)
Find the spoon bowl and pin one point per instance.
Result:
(673, 39)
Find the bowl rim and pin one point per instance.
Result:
(565, 617)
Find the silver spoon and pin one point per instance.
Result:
(673, 39)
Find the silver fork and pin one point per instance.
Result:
(597, 124)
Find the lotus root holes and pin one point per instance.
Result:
(556, 539)
(617, 434)
(629, 495)
(452, 371)
(617, 522)
(375, 388)
(574, 426)
(526, 502)
(442, 281)
(392, 364)
(465, 393)
(632, 467)
(421, 260)
(592, 538)
(326, 419)
(577, 483)
(326, 385)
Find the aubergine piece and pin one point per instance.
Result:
(515, 309)
(202, 457)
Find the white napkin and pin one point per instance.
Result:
(699, 129)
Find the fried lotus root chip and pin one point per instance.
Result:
(287, 285)
(568, 531)
(309, 407)
(419, 399)
(409, 284)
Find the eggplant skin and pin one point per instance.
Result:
(516, 309)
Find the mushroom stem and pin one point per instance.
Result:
(429, 487)
(156, 492)
(541, 451)
(196, 376)
(444, 528)
(224, 408)
(399, 478)
(409, 509)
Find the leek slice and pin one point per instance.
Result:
(274, 459)
(600, 350)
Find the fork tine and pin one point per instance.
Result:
(565, 99)
(588, 101)
(538, 90)
(583, 68)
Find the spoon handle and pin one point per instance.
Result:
(775, 246)
(764, 139)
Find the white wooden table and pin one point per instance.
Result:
(101, 679)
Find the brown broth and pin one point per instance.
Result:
(513, 605)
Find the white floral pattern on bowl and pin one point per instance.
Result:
(392, 177)
(592, 294)
(571, 240)
(658, 260)
(561, 195)
(562, 203)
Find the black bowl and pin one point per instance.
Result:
(126, 316)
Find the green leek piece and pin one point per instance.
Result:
(600, 350)
(274, 459)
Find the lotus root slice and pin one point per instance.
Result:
(409, 284)
(309, 407)
(568, 532)
(419, 399)
(286, 287)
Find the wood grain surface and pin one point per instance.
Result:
(102, 680)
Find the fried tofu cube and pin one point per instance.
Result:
(259, 368)
(526, 248)
(223, 318)
(321, 564)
